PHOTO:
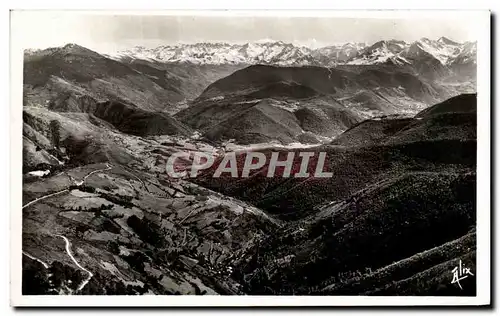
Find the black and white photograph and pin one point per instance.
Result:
(327, 156)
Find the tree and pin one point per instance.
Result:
(55, 127)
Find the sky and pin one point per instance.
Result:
(107, 33)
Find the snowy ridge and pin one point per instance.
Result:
(381, 52)
(280, 53)
(444, 50)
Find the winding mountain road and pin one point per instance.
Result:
(108, 167)
(68, 250)
(78, 183)
(66, 240)
(44, 197)
(36, 259)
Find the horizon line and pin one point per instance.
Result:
(260, 41)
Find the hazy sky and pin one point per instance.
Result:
(108, 33)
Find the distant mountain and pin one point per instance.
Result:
(340, 82)
(75, 70)
(149, 85)
(432, 59)
(397, 51)
(380, 52)
(266, 120)
(331, 55)
(465, 63)
(285, 54)
(452, 119)
(84, 95)
(304, 104)
(278, 53)
(189, 80)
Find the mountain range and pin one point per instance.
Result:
(446, 51)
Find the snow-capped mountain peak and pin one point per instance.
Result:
(263, 51)
(446, 41)
(444, 50)
(381, 52)
(268, 51)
